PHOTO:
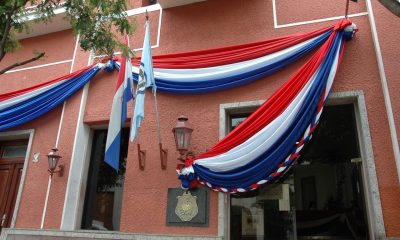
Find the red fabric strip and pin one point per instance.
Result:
(121, 74)
(273, 107)
(231, 54)
(277, 103)
(9, 95)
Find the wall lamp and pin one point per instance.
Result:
(53, 159)
(182, 134)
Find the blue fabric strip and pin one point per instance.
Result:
(212, 85)
(112, 153)
(268, 162)
(35, 107)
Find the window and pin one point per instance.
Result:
(13, 150)
(320, 197)
(236, 119)
(103, 199)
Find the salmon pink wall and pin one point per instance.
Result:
(32, 199)
(210, 24)
(388, 27)
(201, 26)
(67, 136)
(292, 11)
(58, 46)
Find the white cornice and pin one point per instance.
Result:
(175, 3)
(57, 23)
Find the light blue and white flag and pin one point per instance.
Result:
(145, 80)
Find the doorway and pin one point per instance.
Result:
(12, 157)
(320, 197)
(103, 199)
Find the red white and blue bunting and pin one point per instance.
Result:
(263, 147)
(223, 68)
(24, 105)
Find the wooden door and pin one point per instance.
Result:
(10, 177)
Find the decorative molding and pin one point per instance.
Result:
(176, 3)
(385, 88)
(57, 24)
(71, 218)
(65, 102)
(224, 198)
(40, 66)
(276, 25)
(142, 10)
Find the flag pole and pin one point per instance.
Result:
(347, 9)
(163, 152)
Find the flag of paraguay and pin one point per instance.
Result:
(123, 93)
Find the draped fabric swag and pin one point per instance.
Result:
(261, 148)
(24, 105)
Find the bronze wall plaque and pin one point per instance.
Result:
(186, 208)
(189, 208)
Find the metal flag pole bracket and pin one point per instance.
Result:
(142, 157)
(163, 156)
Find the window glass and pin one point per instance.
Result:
(236, 119)
(13, 151)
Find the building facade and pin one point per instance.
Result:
(349, 195)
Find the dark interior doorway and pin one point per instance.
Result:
(103, 199)
(320, 197)
(327, 178)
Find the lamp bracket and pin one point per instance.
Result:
(59, 170)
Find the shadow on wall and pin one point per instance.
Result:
(392, 5)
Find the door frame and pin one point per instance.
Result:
(370, 182)
(16, 135)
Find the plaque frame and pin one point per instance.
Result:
(203, 204)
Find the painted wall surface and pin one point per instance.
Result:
(32, 199)
(210, 24)
(388, 27)
(61, 58)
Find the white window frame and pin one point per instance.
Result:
(16, 135)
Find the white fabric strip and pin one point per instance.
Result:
(114, 126)
(258, 143)
(29, 95)
(262, 141)
(15, 100)
(229, 70)
(223, 71)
